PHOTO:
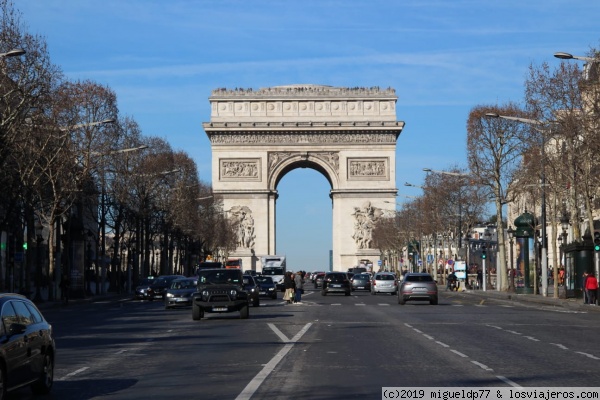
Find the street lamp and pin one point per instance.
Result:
(569, 56)
(537, 123)
(511, 235)
(13, 53)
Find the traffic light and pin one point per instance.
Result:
(483, 255)
(596, 240)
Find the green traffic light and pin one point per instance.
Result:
(25, 246)
(483, 256)
(597, 247)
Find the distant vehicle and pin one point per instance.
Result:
(208, 265)
(384, 282)
(336, 282)
(253, 289)
(274, 266)
(418, 286)
(233, 263)
(266, 286)
(158, 288)
(361, 282)
(180, 292)
(357, 270)
(27, 348)
(319, 280)
(141, 290)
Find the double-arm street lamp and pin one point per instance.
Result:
(537, 124)
(12, 53)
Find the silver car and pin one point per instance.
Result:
(384, 282)
(418, 286)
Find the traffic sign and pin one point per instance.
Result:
(379, 262)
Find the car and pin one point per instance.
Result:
(266, 286)
(418, 286)
(220, 291)
(141, 290)
(253, 289)
(319, 280)
(180, 292)
(27, 347)
(159, 286)
(361, 282)
(336, 282)
(384, 282)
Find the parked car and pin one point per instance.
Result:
(159, 286)
(361, 282)
(384, 282)
(266, 286)
(27, 347)
(252, 288)
(141, 290)
(319, 280)
(180, 292)
(336, 282)
(418, 286)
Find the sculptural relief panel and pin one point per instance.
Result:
(299, 137)
(368, 169)
(239, 169)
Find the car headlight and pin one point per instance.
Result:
(271, 289)
(170, 295)
(233, 293)
(205, 295)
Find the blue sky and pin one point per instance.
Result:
(443, 57)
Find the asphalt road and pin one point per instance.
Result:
(333, 347)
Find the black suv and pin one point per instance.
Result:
(336, 282)
(252, 288)
(220, 291)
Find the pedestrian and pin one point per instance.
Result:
(591, 288)
(479, 279)
(451, 282)
(64, 285)
(299, 283)
(586, 300)
(288, 285)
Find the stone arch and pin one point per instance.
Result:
(349, 135)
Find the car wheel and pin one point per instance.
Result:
(244, 312)
(347, 293)
(433, 301)
(197, 313)
(323, 293)
(401, 300)
(44, 384)
(256, 302)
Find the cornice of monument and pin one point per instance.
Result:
(304, 91)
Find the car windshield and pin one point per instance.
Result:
(225, 276)
(418, 278)
(264, 279)
(183, 284)
(273, 271)
(361, 277)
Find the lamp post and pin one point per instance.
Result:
(544, 244)
(511, 236)
(13, 53)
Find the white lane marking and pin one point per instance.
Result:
(442, 344)
(383, 304)
(494, 326)
(418, 331)
(336, 304)
(283, 338)
(508, 381)
(360, 304)
(410, 326)
(255, 383)
(588, 355)
(515, 332)
(428, 337)
(121, 351)
(560, 346)
(458, 353)
(482, 366)
(532, 338)
(73, 373)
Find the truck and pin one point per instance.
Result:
(274, 266)
(234, 263)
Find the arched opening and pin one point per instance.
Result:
(304, 215)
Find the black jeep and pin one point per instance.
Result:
(220, 291)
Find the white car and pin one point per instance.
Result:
(384, 282)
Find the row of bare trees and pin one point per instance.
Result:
(72, 163)
(550, 141)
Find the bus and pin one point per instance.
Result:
(234, 263)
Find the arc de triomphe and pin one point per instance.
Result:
(347, 134)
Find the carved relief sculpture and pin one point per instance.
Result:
(368, 169)
(240, 169)
(244, 224)
(365, 220)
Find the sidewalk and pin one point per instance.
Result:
(573, 304)
(89, 298)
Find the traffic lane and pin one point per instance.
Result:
(496, 339)
(353, 351)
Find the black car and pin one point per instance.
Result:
(220, 291)
(336, 282)
(141, 290)
(266, 286)
(159, 286)
(27, 347)
(253, 290)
